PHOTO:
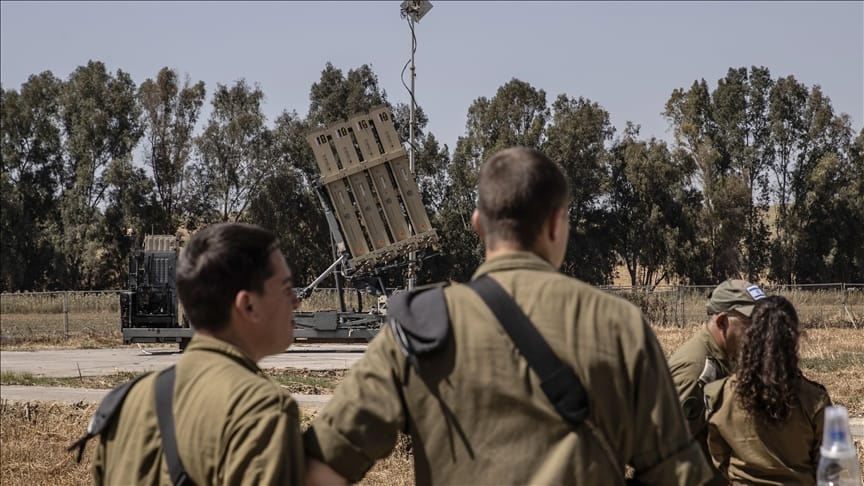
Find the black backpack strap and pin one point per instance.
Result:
(105, 414)
(558, 381)
(164, 399)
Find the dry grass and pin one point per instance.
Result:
(833, 357)
(34, 437)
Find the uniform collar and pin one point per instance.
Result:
(520, 260)
(201, 342)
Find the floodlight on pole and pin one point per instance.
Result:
(413, 10)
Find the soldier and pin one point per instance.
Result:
(765, 421)
(233, 424)
(710, 354)
(446, 372)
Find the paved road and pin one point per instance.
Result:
(96, 362)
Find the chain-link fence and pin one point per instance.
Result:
(94, 316)
(59, 316)
(818, 305)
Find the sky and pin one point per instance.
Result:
(626, 56)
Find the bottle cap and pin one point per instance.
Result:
(836, 439)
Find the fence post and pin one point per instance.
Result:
(66, 314)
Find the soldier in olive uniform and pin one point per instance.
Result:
(473, 405)
(710, 354)
(233, 425)
(765, 421)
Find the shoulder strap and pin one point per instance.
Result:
(558, 381)
(105, 414)
(164, 399)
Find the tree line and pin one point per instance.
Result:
(763, 179)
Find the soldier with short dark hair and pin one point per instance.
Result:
(233, 425)
(446, 372)
(711, 353)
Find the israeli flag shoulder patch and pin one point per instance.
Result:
(755, 292)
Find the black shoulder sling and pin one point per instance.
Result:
(558, 381)
(110, 406)
(164, 399)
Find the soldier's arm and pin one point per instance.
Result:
(819, 425)
(685, 376)
(360, 424)
(264, 445)
(719, 449)
(664, 451)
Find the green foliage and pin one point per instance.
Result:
(170, 114)
(236, 152)
(577, 138)
(647, 198)
(763, 179)
(32, 164)
(287, 204)
(337, 97)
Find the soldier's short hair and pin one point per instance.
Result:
(219, 261)
(519, 188)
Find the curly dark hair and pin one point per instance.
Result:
(768, 374)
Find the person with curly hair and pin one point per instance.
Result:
(765, 421)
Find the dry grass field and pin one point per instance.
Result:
(33, 436)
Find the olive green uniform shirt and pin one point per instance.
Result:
(233, 425)
(476, 413)
(748, 451)
(698, 362)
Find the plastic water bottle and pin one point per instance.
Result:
(838, 465)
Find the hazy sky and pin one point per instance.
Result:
(628, 57)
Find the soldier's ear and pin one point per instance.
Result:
(478, 228)
(722, 321)
(243, 304)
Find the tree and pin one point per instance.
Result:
(236, 153)
(336, 97)
(576, 138)
(287, 204)
(648, 198)
(31, 164)
(131, 211)
(101, 123)
(827, 217)
(740, 111)
(170, 115)
(788, 100)
(720, 220)
(516, 115)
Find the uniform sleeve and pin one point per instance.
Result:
(719, 449)
(264, 445)
(360, 424)
(819, 425)
(685, 376)
(664, 451)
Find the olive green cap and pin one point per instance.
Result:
(737, 295)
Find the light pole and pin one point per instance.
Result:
(413, 10)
